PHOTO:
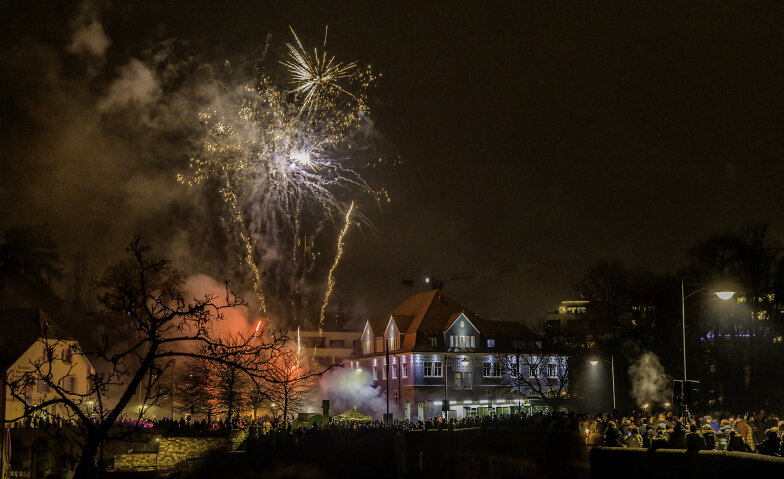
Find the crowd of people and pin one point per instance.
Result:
(754, 432)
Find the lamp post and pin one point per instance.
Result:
(611, 362)
(723, 295)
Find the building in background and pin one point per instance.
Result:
(331, 346)
(30, 341)
(431, 349)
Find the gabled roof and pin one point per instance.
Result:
(21, 328)
(430, 311)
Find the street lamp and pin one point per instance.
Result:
(723, 295)
(611, 362)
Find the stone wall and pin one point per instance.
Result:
(175, 450)
(612, 462)
(492, 452)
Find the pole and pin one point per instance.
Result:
(683, 321)
(172, 393)
(612, 369)
(446, 412)
(386, 342)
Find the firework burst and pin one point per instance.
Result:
(315, 76)
(282, 174)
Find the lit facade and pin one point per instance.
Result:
(431, 348)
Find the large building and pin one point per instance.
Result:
(31, 346)
(431, 349)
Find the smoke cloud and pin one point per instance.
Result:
(348, 388)
(136, 85)
(649, 381)
(89, 37)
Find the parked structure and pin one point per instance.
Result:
(431, 350)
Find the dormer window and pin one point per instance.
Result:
(491, 343)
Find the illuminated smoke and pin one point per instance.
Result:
(347, 388)
(649, 382)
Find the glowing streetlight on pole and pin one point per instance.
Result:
(723, 295)
(611, 362)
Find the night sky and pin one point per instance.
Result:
(529, 133)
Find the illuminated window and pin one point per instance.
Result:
(433, 369)
(491, 343)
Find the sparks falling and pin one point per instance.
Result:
(283, 175)
(330, 278)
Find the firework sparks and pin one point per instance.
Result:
(314, 75)
(281, 174)
(330, 278)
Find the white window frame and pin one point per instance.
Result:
(436, 369)
(533, 370)
(404, 371)
(473, 343)
(462, 341)
(451, 340)
(552, 370)
(432, 341)
(487, 369)
(375, 373)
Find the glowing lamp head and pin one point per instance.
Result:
(594, 362)
(725, 295)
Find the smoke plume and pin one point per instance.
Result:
(649, 381)
(348, 388)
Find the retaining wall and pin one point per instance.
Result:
(622, 463)
(174, 450)
(492, 452)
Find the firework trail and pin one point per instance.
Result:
(283, 174)
(330, 279)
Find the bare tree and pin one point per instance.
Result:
(544, 375)
(290, 381)
(146, 322)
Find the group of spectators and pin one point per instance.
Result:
(755, 432)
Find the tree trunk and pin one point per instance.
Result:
(86, 468)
